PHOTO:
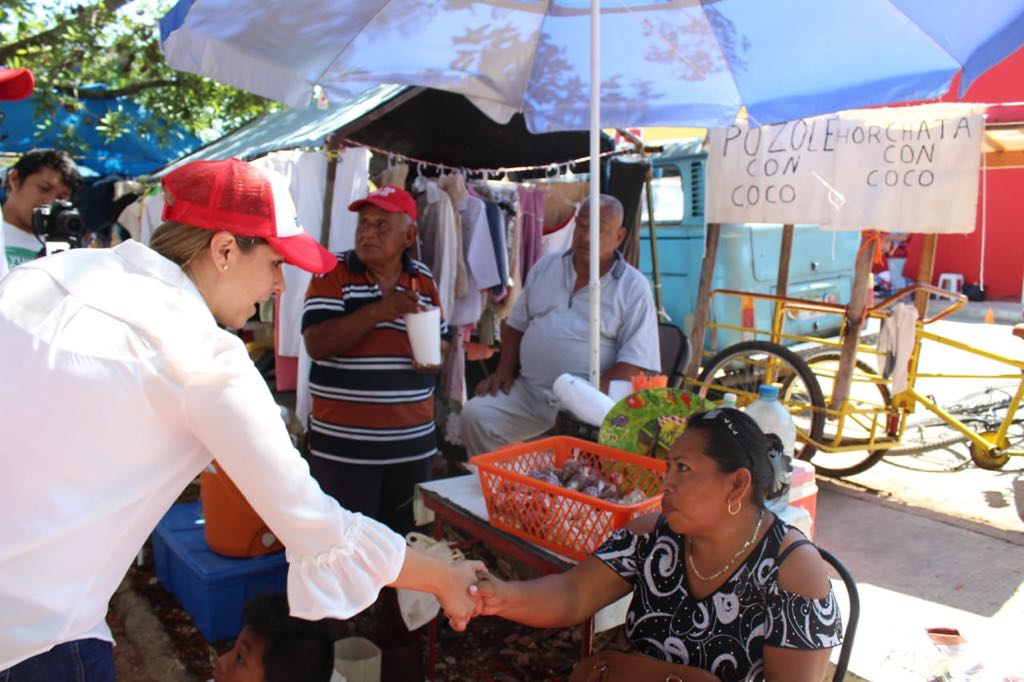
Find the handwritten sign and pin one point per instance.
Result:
(912, 169)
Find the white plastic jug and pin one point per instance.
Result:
(773, 417)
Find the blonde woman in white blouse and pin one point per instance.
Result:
(119, 383)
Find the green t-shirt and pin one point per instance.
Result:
(19, 246)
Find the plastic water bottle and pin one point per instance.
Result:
(729, 400)
(773, 417)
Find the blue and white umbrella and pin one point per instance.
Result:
(652, 62)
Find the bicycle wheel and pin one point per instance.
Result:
(867, 392)
(982, 411)
(743, 367)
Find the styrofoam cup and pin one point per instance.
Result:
(424, 329)
(358, 659)
(619, 389)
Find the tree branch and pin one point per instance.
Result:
(116, 92)
(84, 16)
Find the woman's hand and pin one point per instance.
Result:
(459, 594)
(493, 592)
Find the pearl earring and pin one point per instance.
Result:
(225, 266)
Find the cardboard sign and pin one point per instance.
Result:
(912, 169)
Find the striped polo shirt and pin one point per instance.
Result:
(369, 405)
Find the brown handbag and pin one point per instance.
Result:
(619, 666)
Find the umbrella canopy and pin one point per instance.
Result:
(74, 129)
(663, 62)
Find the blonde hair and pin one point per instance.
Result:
(181, 243)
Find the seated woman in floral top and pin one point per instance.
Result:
(719, 583)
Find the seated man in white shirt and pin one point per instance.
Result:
(40, 177)
(546, 335)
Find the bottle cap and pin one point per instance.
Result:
(768, 391)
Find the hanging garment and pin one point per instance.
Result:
(561, 199)
(496, 225)
(351, 182)
(439, 241)
(531, 212)
(394, 175)
(896, 343)
(626, 183)
(479, 254)
(559, 238)
(306, 173)
(454, 186)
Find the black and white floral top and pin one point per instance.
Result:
(725, 632)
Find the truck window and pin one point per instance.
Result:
(667, 192)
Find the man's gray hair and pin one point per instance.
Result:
(609, 206)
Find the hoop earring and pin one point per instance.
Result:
(739, 505)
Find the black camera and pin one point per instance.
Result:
(58, 222)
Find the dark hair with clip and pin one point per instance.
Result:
(735, 441)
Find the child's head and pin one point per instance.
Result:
(276, 647)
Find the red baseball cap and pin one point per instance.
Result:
(16, 84)
(390, 198)
(238, 197)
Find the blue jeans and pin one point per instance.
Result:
(83, 660)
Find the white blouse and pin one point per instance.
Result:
(116, 388)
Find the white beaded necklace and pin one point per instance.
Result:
(705, 578)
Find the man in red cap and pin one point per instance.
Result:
(372, 428)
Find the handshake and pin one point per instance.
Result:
(465, 589)
(472, 591)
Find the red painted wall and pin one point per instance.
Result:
(1002, 192)
(1004, 241)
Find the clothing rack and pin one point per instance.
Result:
(554, 168)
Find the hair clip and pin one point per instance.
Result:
(732, 429)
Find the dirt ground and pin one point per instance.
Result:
(157, 641)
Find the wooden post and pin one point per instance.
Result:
(925, 270)
(782, 281)
(785, 252)
(700, 315)
(854, 321)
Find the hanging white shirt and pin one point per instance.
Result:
(118, 388)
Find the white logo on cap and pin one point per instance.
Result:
(385, 191)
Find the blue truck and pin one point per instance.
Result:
(821, 264)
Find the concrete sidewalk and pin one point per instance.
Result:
(916, 569)
(1003, 312)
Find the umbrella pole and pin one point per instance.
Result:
(594, 337)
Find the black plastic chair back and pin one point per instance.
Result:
(675, 352)
(851, 618)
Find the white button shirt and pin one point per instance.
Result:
(116, 388)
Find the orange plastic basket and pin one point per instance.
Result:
(563, 520)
